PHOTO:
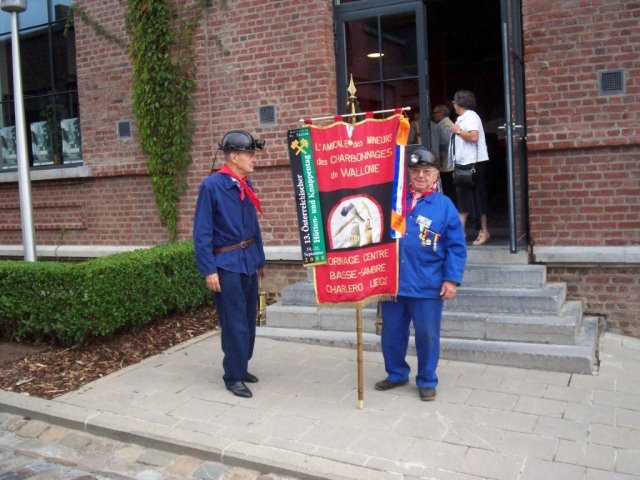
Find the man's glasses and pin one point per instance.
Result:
(424, 171)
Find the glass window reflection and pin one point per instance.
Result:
(60, 9)
(49, 84)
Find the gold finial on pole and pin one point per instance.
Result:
(351, 102)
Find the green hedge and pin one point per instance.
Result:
(71, 302)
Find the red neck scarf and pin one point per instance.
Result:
(415, 196)
(245, 189)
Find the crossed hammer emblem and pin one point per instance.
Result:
(300, 145)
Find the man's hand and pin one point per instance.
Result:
(213, 282)
(261, 273)
(448, 290)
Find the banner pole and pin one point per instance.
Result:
(348, 115)
(359, 356)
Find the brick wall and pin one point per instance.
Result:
(104, 89)
(100, 211)
(566, 44)
(583, 148)
(585, 196)
(273, 55)
(613, 293)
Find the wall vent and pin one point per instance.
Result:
(267, 114)
(124, 129)
(611, 82)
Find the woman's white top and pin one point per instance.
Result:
(469, 152)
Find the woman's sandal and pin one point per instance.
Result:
(482, 239)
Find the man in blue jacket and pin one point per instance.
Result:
(230, 254)
(433, 255)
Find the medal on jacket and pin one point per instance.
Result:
(424, 224)
(427, 237)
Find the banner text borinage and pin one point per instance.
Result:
(355, 169)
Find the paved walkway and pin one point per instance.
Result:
(35, 450)
(304, 421)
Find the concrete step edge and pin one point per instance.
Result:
(569, 312)
(562, 358)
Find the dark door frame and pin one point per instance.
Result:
(379, 8)
(515, 123)
(513, 68)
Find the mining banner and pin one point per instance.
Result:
(349, 185)
(305, 186)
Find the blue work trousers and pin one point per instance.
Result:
(426, 314)
(237, 306)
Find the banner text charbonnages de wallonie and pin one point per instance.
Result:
(349, 185)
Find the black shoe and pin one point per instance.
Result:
(427, 394)
(239, 389)
(387, 385)
(249, 378)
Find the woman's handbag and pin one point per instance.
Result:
(464, 176)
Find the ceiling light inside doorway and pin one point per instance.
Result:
(375, 55)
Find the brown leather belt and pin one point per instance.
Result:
(235, 246)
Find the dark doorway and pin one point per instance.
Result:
(426, 52)
(465, 52)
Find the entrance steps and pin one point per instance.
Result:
(505, 313)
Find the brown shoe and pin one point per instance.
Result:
(387, 385)
(427, 394)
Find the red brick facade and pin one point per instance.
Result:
(612, 293)
(582, 196)
(583, 149)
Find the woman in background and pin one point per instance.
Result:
(470, 148)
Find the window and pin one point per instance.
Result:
(381, 46)
(49, 84)
(383, 61)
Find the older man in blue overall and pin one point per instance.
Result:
(433, 255)
(230, 254)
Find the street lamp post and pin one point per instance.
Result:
(14, 7)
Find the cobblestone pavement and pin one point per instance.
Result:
(35, 450)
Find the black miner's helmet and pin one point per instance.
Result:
(237, 140)
(421, 157)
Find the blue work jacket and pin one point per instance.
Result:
(433, 248)
(222, 219)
